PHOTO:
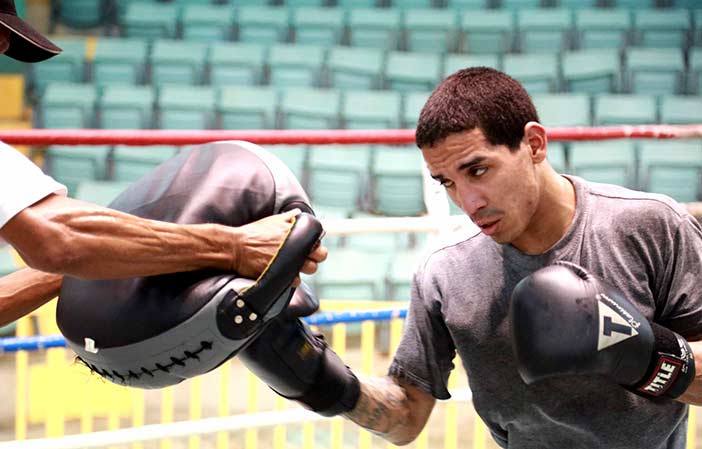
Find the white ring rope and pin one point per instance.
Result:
(184, 429)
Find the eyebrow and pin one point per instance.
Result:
(466, 165)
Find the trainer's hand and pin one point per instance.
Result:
(256, 243)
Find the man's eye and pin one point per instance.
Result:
(447, 183)
(478, 171)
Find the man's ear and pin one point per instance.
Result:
(535, 137)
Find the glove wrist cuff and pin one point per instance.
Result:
(672, 366)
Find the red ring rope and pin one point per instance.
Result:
(337, 136)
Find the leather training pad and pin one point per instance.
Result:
(231, 183)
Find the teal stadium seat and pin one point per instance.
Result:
(694, 74)
(186, 107)
(400, 273)
(295, 158)
(150, 20)
(563, 109)
(467, 4)
(456, 62)
(697, 33)
(556, 156)
(411, 4)
(577, 4)
(67, 105)
(661, 28)
(178, 62)
(318, 26)
(71, 165)
(81, 13)
(296, 65)
(66, 67)
(545, 29)
(654, 71)
(127, 107)
(262, 24)
(131, 163)
(594, 71)
(487, 31)
(334, 279)
(368, 109)
(431, 30)
(242, 107)
(374, 27)
(673, 168)
(120, 61)
(623, 109)
(413, 104)
(233, 63)
(603, 28)
(396, 177)
(355, 67)
(610, 162)
(310, 108)
(680, 110)
(101, 193)
(338, 176)
(303, 3)
(207, 23)
(519, 4)
(538, 72)
(412, 71)
(357, 3)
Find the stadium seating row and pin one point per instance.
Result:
(355, 179)
(438, 30)
(130, 61)
(243, 107)
(92, 13)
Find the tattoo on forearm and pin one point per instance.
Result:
(383, 408)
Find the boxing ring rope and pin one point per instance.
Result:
(291, 137)
(37, 342)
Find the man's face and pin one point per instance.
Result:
(4, 39)
(497, 188)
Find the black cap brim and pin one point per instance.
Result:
(26, 43)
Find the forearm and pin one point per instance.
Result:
(25, 290)
(693, 394)
(385, 409)
(86, 241)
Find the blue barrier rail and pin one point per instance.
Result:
(35, 343)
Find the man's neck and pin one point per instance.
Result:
(552, 218)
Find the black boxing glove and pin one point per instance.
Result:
(299, 365)
(564, 320)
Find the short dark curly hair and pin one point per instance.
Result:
(477, 97)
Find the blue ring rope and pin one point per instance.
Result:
(35, 343)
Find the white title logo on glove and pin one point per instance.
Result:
(613, 327)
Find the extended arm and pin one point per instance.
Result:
(25, 290)
(392, 409)
(64, 235)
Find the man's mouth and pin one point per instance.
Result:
(488, 227)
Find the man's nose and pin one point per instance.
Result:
(471, 199)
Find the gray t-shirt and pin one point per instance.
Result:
(647, 245)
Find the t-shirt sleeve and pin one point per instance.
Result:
(425, 355)
(681, 286)
(22, 183)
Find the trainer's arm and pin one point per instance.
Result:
(68, 236)
(693, 394)
(25, 290)
(392, 409)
